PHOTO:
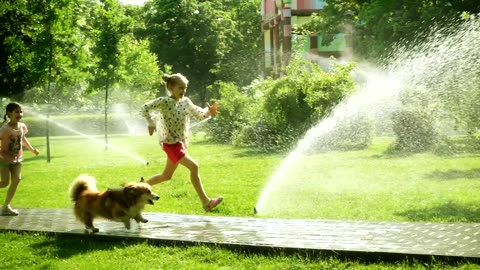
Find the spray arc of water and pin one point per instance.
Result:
(91, 138)
(348, 108)
(448, 57)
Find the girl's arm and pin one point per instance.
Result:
(4, 137)
(146, 112)
(4, 140)
(26, 143)
(202, 113)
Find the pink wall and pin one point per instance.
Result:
(269, 8)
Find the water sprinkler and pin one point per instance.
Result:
(148, 163)
(255, 210)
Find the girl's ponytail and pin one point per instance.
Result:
(166, 78)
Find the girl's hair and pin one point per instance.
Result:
(12, 106)
(174, 79)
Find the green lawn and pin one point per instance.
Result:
(373, 185)
(356, 185)
(236, 174)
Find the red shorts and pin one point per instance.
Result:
(175, 151)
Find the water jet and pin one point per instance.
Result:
(443, 67)
(91, 138)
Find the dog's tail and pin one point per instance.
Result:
(83, 183)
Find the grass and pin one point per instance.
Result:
(365, 185)
(226, 171)
(372, 185)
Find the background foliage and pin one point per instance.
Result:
(87, 55)
(272, 114)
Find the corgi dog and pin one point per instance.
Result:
(118, 204)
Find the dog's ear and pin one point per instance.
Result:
(142, 180)
(130, 192)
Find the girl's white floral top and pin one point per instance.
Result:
(174, 117)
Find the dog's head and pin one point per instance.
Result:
(140, 193)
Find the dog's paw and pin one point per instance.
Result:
(91, 230)
(142, 220)
(139, 218)
(127, 224)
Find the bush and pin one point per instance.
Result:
(235, 112)
(291, 105)
(264, 138)
(349, 133)
(414, 131)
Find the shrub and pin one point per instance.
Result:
(349, 133)
(291, 105)
(264, 138)
(414, 131)
(235, 112)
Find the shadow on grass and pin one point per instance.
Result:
(452, 147)
(456, 146)
(455, 174)
(250, 152)
(66, 246)
(451, 211)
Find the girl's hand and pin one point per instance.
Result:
(212, 109)
(35, 151)
(151, 130)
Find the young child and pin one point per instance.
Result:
(175, 111)
(12, 135)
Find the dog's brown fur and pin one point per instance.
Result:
(120, 204)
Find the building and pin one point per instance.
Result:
(278, 18)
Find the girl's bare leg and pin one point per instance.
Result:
(5, 176)
(15, 169)
(192, 165)
(166, 175)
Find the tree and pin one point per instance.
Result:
(138, 71)
(110, 26)
(205, 40)
(37, 36)
(22, 64)
(380, 24)
(403, 21)
(244, 61)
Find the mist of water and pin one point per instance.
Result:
(199, 123)
(448, 61)
(91, 138)
(134, 124)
